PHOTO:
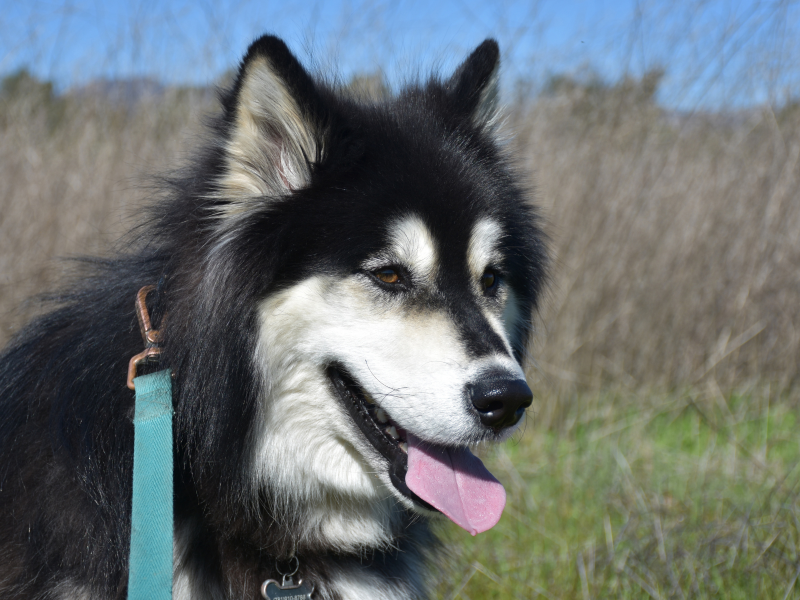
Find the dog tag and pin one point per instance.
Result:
(272, 590)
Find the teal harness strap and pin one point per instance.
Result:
(150, 568)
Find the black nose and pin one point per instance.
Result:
(500, 401)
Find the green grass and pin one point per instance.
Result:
(681, 496)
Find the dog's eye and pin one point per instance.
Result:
(489, 281)
(388, 276)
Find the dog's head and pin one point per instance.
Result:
(406, 263)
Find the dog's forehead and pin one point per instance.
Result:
(414, 242)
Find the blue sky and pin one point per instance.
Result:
(715, 52)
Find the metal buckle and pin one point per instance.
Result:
(151, 337)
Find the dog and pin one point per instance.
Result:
(346, 290)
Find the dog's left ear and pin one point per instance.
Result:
(473, 88)
(275, 126)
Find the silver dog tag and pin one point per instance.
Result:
(272, 590)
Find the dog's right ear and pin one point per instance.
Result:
(275, 122)
(473, 88)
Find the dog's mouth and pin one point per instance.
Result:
(449, 480)
(387, 438)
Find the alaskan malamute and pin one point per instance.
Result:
(348, 287)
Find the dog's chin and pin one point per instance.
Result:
(388, 439)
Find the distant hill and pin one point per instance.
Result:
(121, 91)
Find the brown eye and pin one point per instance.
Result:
(488, 280)
(387, 276)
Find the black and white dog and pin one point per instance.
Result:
(348, 288)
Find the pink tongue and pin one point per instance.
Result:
(456, 483)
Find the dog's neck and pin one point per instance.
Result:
(390, 568)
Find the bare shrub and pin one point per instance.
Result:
(677, 238)
(72, 170)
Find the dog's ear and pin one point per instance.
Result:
(275, 126)
(473, 88)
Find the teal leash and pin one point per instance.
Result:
(150, 569)
(150, 566)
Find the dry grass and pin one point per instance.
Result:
(677, 240)
(72, 171)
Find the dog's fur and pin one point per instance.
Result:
(267, 252)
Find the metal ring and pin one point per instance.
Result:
(296, 566)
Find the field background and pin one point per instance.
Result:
(660, 458)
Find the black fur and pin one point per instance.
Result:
(66, 433)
